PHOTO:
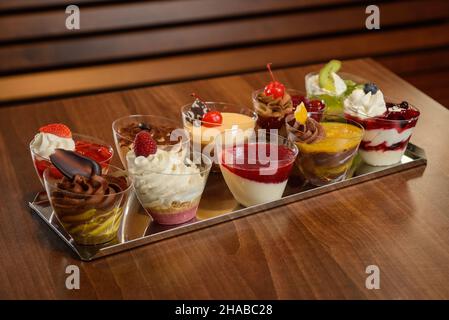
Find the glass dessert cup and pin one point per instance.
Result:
(88, 146)
(166, 132)
(385, 140)
(172, 198)
(256, 171)
(330, 159)
(269, 119)
(90, 219)
(334, 103)
(202, 134)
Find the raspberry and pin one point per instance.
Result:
(58, 129)
(144, 144)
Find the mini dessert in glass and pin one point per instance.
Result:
(58, 136)
(166, 132)
(272, 104)
(326, 148)
(317, 107)
(88, 203)
(256, 171)
(205, 120)
(388, 126)
(168, 184)
(331, 87)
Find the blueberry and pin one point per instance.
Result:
(370, 87)
(404, 105)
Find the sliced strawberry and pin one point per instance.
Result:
(58, 129)
(144, 144)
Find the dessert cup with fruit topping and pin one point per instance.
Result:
(168, 184)
(205, 120)
(326, 148)
(272, 104)
(331, 87)
(168, 133)
(256, 171)
(388, 126)
(88, 206)
(59, 136)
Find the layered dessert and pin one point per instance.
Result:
(272, 104)
(87, 202)
(326, 148)
(165, 132)
(257, 171)
(330, 87)
(388, 126)
(168, 184)
(205, 120)
(59, 136)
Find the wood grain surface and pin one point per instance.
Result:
(317, 248)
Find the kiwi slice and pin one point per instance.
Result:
(325, 77)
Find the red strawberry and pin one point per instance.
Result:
(144, 144)
(58, 129)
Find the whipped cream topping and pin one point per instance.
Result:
(44, 144)
(164, 178)
(313, 85)
(365, 105)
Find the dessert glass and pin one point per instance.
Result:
(385, 140)
(334, 103)
(256, 171)
(168, 133)
(202, 134)
(89, 219)
(330, 159)
(88, 146)
(173, 198)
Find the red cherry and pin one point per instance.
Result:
(212, 119)
(315, 105)
(274, 88)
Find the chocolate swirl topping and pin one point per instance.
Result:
(161, 134)
(83, 192)
(311, 132)
(269, 106)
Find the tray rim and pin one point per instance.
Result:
(412, 149)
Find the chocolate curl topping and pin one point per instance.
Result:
(312, 131)
(71, 164)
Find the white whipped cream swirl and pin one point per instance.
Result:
(44, 144)
(165, 177)
(313, 85)
(365, 105)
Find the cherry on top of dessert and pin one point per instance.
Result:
(370, 87)
(58, 129)
(144, 144)
(70, 164)
(274, 88)
(212, 119)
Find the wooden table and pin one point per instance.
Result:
(317, 248)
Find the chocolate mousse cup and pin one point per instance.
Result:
(173, 198)
(167, 133)
(385, 139)
(96, 149)
(326, 148)
(271, 112)
(89, 209)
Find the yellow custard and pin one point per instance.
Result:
(339, 137)
(230, 120)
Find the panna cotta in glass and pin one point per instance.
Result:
(256, 170)
(388, 126)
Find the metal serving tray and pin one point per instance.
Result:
(217, 205)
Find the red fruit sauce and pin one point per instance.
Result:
(365, 145)
(252, 171)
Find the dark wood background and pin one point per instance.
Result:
(123, 44)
